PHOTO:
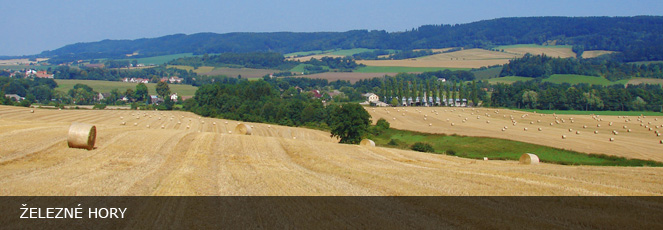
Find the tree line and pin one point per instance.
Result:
(536, 95)
(267, 60)
(636, 38)
(542, 66)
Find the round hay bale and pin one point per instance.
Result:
(487, 122)
(243, 129)
(367, 142)
(661, 141)
(578, 132)
(124, 123)
(584, 126)
(563, 136)
(430, 124)
(485, 158)
(82, 136)
(32, 111)
(529, 159)
(612, 139)
(596, 132)
(525, 129)
(540, 129)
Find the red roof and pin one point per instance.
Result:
(316, 93)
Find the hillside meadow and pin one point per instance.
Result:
(107, 86)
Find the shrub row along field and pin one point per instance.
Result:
(550, 51)
(574, 79)
(204, 159)
(499, 149)
(107, 86)
(630, 137)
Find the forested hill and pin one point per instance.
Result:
(637, 38)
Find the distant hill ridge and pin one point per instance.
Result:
(637, 38)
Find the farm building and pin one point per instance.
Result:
(316, 93)
(371, 97)
(15, 97)
(154, 99)
(174, 97)
(43, 74)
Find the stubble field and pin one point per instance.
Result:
(207, 160)
(639, 143)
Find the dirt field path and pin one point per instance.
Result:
(137, 160)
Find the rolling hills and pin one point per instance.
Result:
(584, 33)
(207, 160)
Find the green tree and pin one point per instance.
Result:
(349, 122)
(162, 89)
(142, 93)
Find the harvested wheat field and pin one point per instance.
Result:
(633, 137)
(470, 58)
(154, 153)
(317, 56)
(552, 51)
(345, 76)
(595, 53)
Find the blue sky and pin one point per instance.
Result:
(32, 26)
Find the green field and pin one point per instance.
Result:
(577, 79)
(604, 113)
(401, 69)
(22, 67)
(300, 68)
(158, 60)
(346, 52)
(107, 86)
(307, 53)
(349, 52)
(531, 46)
(508, 80)
(487, 73)
(500, 149)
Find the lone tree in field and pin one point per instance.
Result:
(142, 93)
(162, 89)
(349, 122)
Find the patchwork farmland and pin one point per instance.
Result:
(179, 153)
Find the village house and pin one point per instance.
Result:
(136, 80)
(15, 97)
(43, 74)
(316, 93)
(173, 80)
(154, 99)
(174, 97)
(371, 97)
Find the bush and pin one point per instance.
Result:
(422, 147)
(451, 152)
(393, 142)
(382, 123)
(99, 106)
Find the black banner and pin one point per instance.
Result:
(330, 212)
